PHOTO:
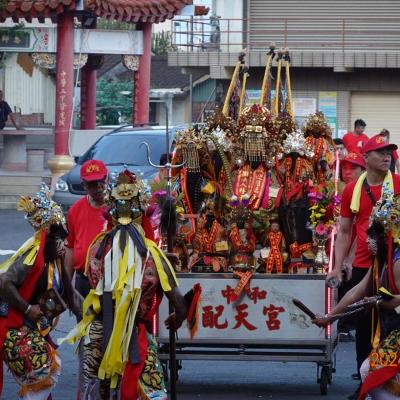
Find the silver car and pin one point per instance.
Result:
(118, 148)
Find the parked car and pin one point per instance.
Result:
(120, 147)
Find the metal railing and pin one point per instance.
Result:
(300, 33)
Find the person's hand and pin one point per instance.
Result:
(192, 260)
(35, 313)
(172, 258)
(174, 321)
(321, 320)
(334, 278)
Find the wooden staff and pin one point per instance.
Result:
(278, 82)
(243, 91)
(264, 87)
(234, 79)
(286, 58)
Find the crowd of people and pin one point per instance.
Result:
(120, 275)
(105, 246)
(103, 262)
(366, 255)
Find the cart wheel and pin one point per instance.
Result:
(324, 380)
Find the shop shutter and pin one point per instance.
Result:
(378, 110)
(328, 18)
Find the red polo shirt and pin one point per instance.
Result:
(353, 142)
(363, 256)
(84, 224)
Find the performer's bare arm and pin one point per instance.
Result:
(69, 263)
(390, 305)
(176, 319)
(342, 246)
(10, 281)
(356, 293)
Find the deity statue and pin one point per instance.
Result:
(318, 136)
(210, 245)
(295, 174)
(276, 243)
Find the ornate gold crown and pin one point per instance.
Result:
(41, 211)
(218, 121)
(190, 135)
(253, 118)
(191, 148)
(317, 123)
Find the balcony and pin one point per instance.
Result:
(340, 43)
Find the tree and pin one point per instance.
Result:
(113, 107)
(161, 43)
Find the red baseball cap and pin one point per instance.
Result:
(355, 159)
(93, 170)
(377, 142)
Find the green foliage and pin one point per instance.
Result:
(114, 25)
(111, 104)
(161, 43)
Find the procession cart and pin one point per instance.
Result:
(263, 324)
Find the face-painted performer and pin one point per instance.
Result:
(128, 274)
(34, 288)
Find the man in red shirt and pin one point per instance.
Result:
(354, 141)
(86, 219)
(395, 164)
(358, 199)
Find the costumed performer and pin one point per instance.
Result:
(34, 287)
(128, 274)
(381, 370)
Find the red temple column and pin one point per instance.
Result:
(88, 97)
(62, 161)
(142, 79)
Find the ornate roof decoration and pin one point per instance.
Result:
(120, 10)
(41, 9)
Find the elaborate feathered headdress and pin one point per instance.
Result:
(128, 197)
(41, 211)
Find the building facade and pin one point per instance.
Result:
(345, 55)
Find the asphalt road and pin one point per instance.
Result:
(208, 380)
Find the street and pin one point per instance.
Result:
(198, 379)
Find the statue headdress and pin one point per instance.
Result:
(189, 143)
(317, 123)
(41, 211)
(387, 212)
(295, 142)
(128, 198)
(255, 138)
